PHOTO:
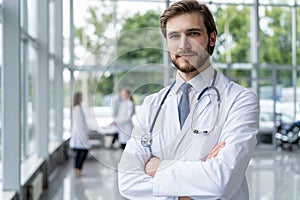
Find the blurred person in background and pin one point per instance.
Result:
(123, 119)
(79, 141)
(115, 104)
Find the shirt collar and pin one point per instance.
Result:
(199, 82)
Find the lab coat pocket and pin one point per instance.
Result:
(204, 126)
(201, 114)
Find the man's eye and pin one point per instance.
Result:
(193, 34)
(174, 37)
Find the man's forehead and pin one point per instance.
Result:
(184, 22)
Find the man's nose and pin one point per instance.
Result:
(184, 42)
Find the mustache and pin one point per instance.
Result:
(186, 52)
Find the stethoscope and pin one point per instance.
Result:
(146, 139)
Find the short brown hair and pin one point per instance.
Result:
(187, 6)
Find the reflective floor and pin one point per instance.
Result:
(272, 175)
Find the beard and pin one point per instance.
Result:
(185, 66)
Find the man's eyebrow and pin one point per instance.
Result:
(194, 29)
(188, 30)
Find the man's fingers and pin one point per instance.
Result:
(213, 153)
(218, 147)
(152, 165)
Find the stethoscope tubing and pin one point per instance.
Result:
(146, 139)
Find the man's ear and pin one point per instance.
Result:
(213, 38)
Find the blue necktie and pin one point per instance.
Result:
(184, 104)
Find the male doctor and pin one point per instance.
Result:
(204, 156)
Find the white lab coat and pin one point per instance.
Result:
(124, 120)
(79, 138)
(184, 171)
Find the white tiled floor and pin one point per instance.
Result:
(272, 174)
(99, 181)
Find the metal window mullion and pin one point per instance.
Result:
(43, 80)
(24, 78)
(59, 87)
(71, 39)
(255, 45)
(71, 42)
(28, 38)
(24, 100)
(294, 56)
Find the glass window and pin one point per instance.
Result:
(233, 41)
(52, 27)
(124, 8)
(67, 104)
(30, 135)
(1, 63)
(298, 33)
(32, 18)
(1, 59)
(66, 31)
(276, 2)
(52, 110)
(96, 29)
(228, 1)
(276, 35)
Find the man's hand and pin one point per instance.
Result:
(214, 152)
(152, 165)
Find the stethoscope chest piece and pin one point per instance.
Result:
(146, 140)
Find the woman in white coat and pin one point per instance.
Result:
(123, 119)
(79, 141)
(208, 156)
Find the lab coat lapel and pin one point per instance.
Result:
(184, 144)
(185, 137)
(165, 132)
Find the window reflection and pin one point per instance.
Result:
(30, 134)
(67, 104)
(52, 111)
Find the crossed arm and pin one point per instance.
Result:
(153, 163)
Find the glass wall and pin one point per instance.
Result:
(67, 103)
(117, 46)
(29, 141)
(102, 28)
(30, 50)
(277, 85)
(1, 64)
(29, 61)
(247, 50)
(53, 136)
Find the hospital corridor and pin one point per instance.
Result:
(149, 99)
